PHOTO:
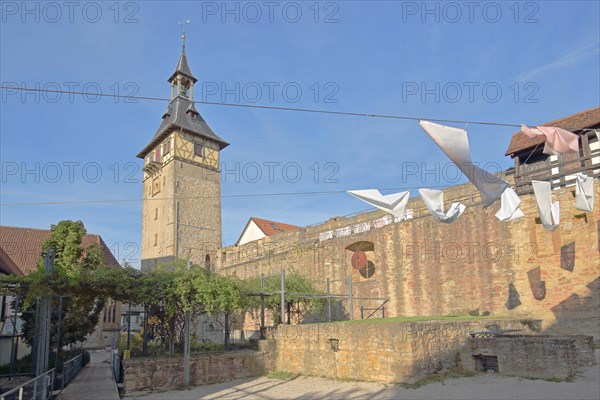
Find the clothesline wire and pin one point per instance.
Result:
(278, 108)
(207, 197)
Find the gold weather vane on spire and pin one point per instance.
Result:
(183, 25)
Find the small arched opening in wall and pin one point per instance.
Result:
(207, 262)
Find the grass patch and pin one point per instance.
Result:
(281, 375)
(419, 319)
(454, 373)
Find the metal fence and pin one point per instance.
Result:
(70, 370)
(38, 388)
(116, 365)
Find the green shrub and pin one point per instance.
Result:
(206, 346)
(86, 357)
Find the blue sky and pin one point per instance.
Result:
(527, 62)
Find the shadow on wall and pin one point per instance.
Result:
(576, 310)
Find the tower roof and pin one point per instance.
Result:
(176, 118)
(181, 113)
(183, 68)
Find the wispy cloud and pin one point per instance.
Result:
(573, 57)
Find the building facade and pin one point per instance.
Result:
(532, 163)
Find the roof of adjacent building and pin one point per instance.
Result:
(21, 248)
(177, 117)
(270, 228)
(573, 123)
(7, 265)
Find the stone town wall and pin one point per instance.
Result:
(149, 373)
(406, 352)
(382, 352)
(540, 356)
(477, 264)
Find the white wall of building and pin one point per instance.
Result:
(251, 233)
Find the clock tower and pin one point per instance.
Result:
(181, 210)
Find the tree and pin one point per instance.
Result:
(298, 290)
(221, 294)
(80, 279)
(73, 268)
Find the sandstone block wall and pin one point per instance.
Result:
(407, 352)
(164, 373)
(384, 352)
(538, 356)
(510, 269)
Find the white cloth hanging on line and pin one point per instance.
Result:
(509, 206)
(584, 192)
(558, 141)
(549, 211)
(455, 143)
(434, 201)
(394, 203)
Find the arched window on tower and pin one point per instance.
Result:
(207, 263)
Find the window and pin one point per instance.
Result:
(157, 155)
(156, 239)
(110, 313)
(198, 150)
(167, 147)
(155, 214)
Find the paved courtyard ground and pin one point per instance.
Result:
(489, 387)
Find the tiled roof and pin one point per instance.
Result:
(272, 227)
(7, 266)
(23, 246)
(573, 123)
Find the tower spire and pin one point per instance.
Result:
(182, 79)
(183, 25)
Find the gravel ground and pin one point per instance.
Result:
(489, 387)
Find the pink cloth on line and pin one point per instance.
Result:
(558, 141)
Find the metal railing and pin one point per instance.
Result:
(70, 370)
(559, 172)
(116, 365)
(38, 388)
